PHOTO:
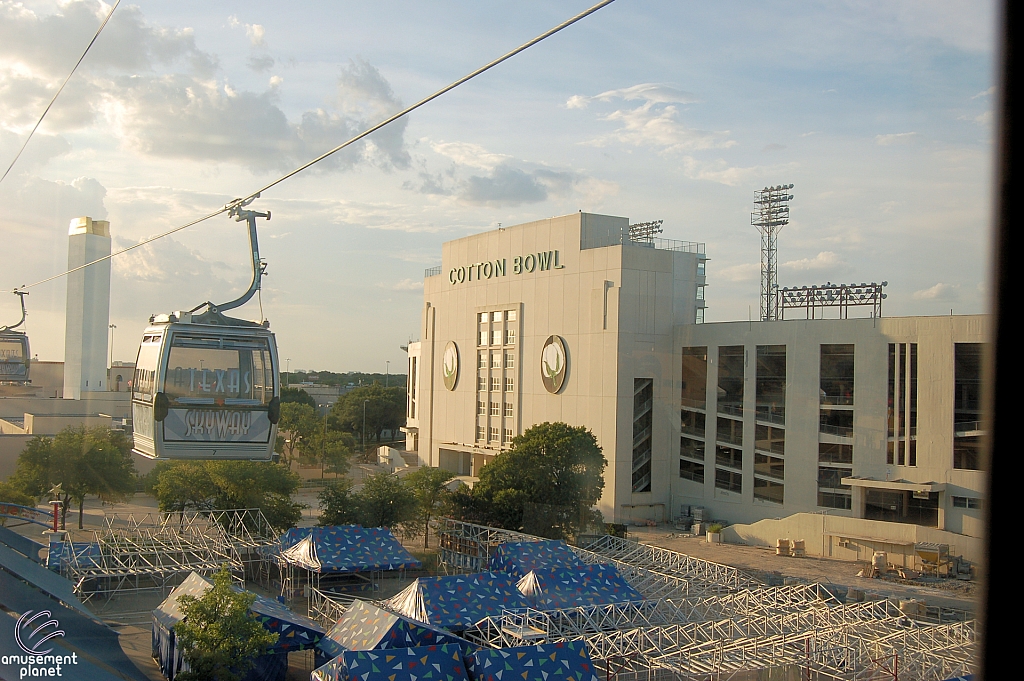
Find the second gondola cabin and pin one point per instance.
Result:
(205, 390)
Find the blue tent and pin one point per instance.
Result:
(295, 632)
(457, 602)
(567, 587)
(518, 558)
(61, 552)
(344, 548)
(565, 661)
(367, 627)
(423, 663)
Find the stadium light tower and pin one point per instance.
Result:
(771, 216)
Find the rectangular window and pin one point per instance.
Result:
(730, 430)
(643, 398)
(508, 409)
(691, 470)
(496, 317)
(482, 317)
(836, 374)
(481, 432)
(495, 383)
(481, 383)
(693, 422)
(510, 360)
(729, 480)
(693, 449)
(206, 369)
(496, 360)
(496, 337)
(901, 450)
(483, 338)
(510, 384)
(482, 361)
(481, 408)
(730, 380)
(770, 393)
(766, 490)
(837, 422)
(831, 478)
(695, 377)
(508, 435)
(510, 315)
(829, 452)
(769, 466)
(967, 366)
(727, 456)
(966, 502)
(495, 408)
(510, 337)
(494, 434)
(770, 439)
(835, 500)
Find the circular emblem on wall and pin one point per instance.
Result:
(450, 365)
(553, 363)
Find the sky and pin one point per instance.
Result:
(879, 113)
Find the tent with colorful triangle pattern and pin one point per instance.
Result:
(344, 548)
(565, 661)
(365, 626)
(295, 632)
(567, 587)
(423, 663)
(518, 558)
(457, 602)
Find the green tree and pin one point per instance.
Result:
(221, 485)
(339, 505)
(430, 488)
(298, 426)
(385, 410)
(383, 501)
(334, 451)
(82, 461)
(218, 636)
(298, 396)
(552, 466)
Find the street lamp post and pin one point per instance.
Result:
(364, 425)
(323, 443)
(111, 327)
(288, 373)
(387, 372)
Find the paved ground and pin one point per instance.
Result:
(762, 562)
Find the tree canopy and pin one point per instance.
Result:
(385, 410)
(297, 396)
(429, 487)
(384, 501)
(218, 636)
(82, 461)
(549, 480)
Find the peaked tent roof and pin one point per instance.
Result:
(518, 558)
(567, 587)
(565, 661)
(456, 602)
(423, 663)
(367, 627)
(295, 632)
(345, 548)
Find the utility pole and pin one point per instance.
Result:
(288, 373)
(323, 442)
(112, 327)
(387, 372)
(364, 426)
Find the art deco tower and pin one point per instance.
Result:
(88, 309)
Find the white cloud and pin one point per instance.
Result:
(940, 291)
(470, 155)
(824, 260)
(721, 172)
(985, 93)
(648, 92)
(405, 285)
(652, 126)
(984, 118)
(744, 272)
(894, 138)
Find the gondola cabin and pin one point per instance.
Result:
(206, 390)
(14, 356)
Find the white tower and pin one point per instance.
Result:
(88, 309)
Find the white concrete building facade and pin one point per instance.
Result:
(87, 317)
(569, 320)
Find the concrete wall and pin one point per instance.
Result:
(845, 538)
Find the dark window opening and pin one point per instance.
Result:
(692, 422)
(766, 490)
(729, 480)
(770, 393)
(770, 439)
(691, 470)
(730, 430)
(898, 506)
(837, 374)
(695, 377)
(730, 380)
(727, 456)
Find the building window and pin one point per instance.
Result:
(829, 452)
(643, 400)
(508, 409)
(494, 434)
(835, 500)
(691, 470)
(832, 493)
(966, 502)
(766, 490)
(838, 422)
(692, 449)
(481, 383)
(510, 337)
(730, 481)
(495, 408)
(510, 384)
(770, 393)
(496, 383)
(481, 408)
(695, 377)
(480, 433)
(496, 317)
(510, 360)
(727, 456)
(496, 337)
(901, 506)
(693, 422)
(730, 430)
(836, 374)
(967, 365)
(769, 466)
(483, 338)
(730, 380)
(508, 435)
(902, 411)
(482, 361)
(510, 315)
(770, 439)
(483, 317)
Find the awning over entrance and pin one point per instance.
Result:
(894, 485)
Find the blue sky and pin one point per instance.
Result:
(880, 114)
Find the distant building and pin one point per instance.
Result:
(88, 308)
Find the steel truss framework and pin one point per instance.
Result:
(155, 552)
(727, 626)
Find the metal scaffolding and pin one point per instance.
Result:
(155, 552)
(771, 216)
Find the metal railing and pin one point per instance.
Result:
(841, 431)
(432, 271)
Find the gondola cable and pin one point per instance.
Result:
(234, 204)
(60, 89)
